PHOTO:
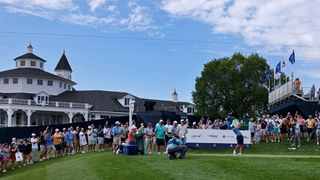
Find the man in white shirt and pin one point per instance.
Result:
(34, 146)
(168, 127)
(183, 130)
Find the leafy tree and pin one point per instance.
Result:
(232, 86)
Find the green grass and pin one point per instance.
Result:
(199, 164)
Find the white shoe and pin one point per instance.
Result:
(159, 153)
(150, 152)
(165, 152)
(234, 152)
(4, 171)
(239, 154)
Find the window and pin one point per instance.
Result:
(190, 110)
(65, 86)
(41, 65)
(29, 81)
(93, 116)
(103, 116)
(32, 63)
(126, 101)
(15, 80)
(60, 84)
(6, 81)
(44, 100)
(22, 63)
(40, 82)
(50, 83)
(69, 87)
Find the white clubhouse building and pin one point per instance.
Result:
(31, 96)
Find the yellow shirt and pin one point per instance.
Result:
(57, 139)
(310, 123)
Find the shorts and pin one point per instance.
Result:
(301, 128)
(309, 130)
(276, 131)
(117, 140)
(50, 147)
(270, 132)
(69, 144)
(100, 140)
(240, 140)
(76, 143)
(5, 159)
(123, 139)
(252, 134)
(107, 140)
(91, 141)
(160, 142)
(58, 147)
(43, 148)
(263, 132)
(318, 132)
(149, 140)
(12, 156)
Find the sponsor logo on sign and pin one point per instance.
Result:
(213, 136)
(196, 136)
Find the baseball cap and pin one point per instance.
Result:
(33, 134)
(117, 122)
(57, 130)
(89, 127)
(133, 127)
(161, 120)
(175, 122)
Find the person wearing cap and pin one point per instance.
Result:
(69, 141)
(116, 132)
(310, 122)
(183, 130)
(175, 130)
(149, 137)
(13, 150)
(95, 132)
(34, 146)
(160, 135)
(107, 136)
(175, 147)
(168, 127)
(236, 125)
(90, 139)
(131, 135)
(57, 141)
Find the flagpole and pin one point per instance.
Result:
(274, 79)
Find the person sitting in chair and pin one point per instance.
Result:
(175, 147)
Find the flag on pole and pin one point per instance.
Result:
(268, 76)
(284, 64)
(278, 68)
(292, 58)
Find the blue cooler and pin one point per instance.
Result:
(130, 149)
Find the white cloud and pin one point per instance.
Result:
(274, 26)
(82, 19)
(94, 4)
(47, 4)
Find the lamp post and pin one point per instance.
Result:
(131, 108)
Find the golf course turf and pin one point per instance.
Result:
(275, 163)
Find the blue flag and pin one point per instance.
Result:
(292, 58)
(268, 76)
(278, 68)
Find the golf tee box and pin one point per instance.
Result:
(130, 149)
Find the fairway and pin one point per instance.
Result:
(199, 164)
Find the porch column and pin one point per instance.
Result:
(10, 113)
(29, 113)
(85, 115)
(70, 115)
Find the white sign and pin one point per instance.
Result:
(216, 136)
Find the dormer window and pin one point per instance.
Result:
(41, 65)
(22, 63)
(126, 101)
(43, 100)
(32, 63)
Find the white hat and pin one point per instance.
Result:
(194, 123)
(133, 127)
(13, 139)
(33, 134)
(117, 122)
(89, 127)
(175, 122)
(57, 130)
(161, 120)
(64, 129)
(182, 120)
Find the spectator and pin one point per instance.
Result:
(57, 141)
(183, 131)
(283, 130)
(83, 140)
(100, 138)
(34, 143)
(175, 147)
(318, 131)
(297, 137)
(13, 150)
(149, 137)
(76, 141)
(252, 129)
(49, 144)
(43, 148)
(175, 130)
(131, 135)
(124, 132)
(94, 137)
(107, 136)
(116, 131)
(310, 125)
(69, 141)
(160, 135)
(168, 127)
(90, 139)
(5, 151)
(194, 125)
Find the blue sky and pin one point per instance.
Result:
(148, 48)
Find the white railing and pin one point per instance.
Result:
(281, 92)
(26, 102)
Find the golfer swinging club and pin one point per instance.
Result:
(236, 125)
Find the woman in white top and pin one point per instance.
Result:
(82, 139)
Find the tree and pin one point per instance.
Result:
(232, 86)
